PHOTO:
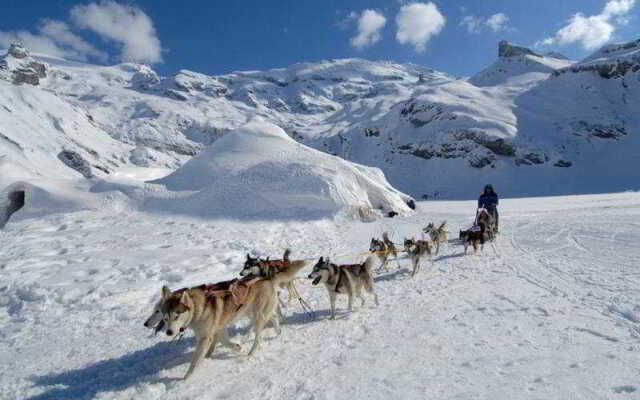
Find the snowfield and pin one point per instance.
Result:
(552, 312)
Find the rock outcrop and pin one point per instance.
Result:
(507, 49)
(18, 67)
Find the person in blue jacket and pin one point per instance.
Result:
(489, 200)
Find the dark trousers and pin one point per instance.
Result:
(496, 216)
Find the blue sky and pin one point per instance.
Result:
(214, 37)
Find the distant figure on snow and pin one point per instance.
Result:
(489, 200)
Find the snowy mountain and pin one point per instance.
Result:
(519, 64)
(531, 124)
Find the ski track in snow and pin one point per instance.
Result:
(552, 311)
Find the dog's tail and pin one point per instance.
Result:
(368, 273)
(286, 254)
(442, 225)
(389, 244)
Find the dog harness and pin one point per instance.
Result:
(278, 264)
(341, 269)
(237, 288)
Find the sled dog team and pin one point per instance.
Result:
(209, 309)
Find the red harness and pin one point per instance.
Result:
(278, 264)
(237, 288)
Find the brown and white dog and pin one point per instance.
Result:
(383, 249)
(416, 249)
(208, 309)
(281, 272)
(437, 235)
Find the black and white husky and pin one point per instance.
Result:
(344, 279)
(474, 236)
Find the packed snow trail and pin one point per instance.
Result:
(553, 312)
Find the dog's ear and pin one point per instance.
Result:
(248, 257)
(185, 297)
(166, 292)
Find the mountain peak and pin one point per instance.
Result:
(17, 50)
(18, 67)
(556, 55)
(508, 49)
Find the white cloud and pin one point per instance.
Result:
(617, 7)
(128, 26)
(592, 31)
(54, 39)
(370, 25)
(496, 22)
(61, 34)
(473, 24)
(417, 23)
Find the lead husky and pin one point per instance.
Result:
(344, 279)
(416, 250)
(383, 249)
(156, 322)
(437, 235)
(208, 315)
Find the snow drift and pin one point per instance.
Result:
(259, 171)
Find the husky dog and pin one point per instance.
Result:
(488, 224)
(416, 250)
(156, 322)
(473, 237)
(281, 272)
(437, 235)
(208, 315)
(156, 319)
(383, 249)
(344, 279)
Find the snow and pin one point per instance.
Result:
(259, 171)
(508, 70)
(550, 312)
(432, 135)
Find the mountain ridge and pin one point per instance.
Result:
(422, 127)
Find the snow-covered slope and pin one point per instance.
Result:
(518, 65)
(259, 171)
(530, 124)
(552, 313)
